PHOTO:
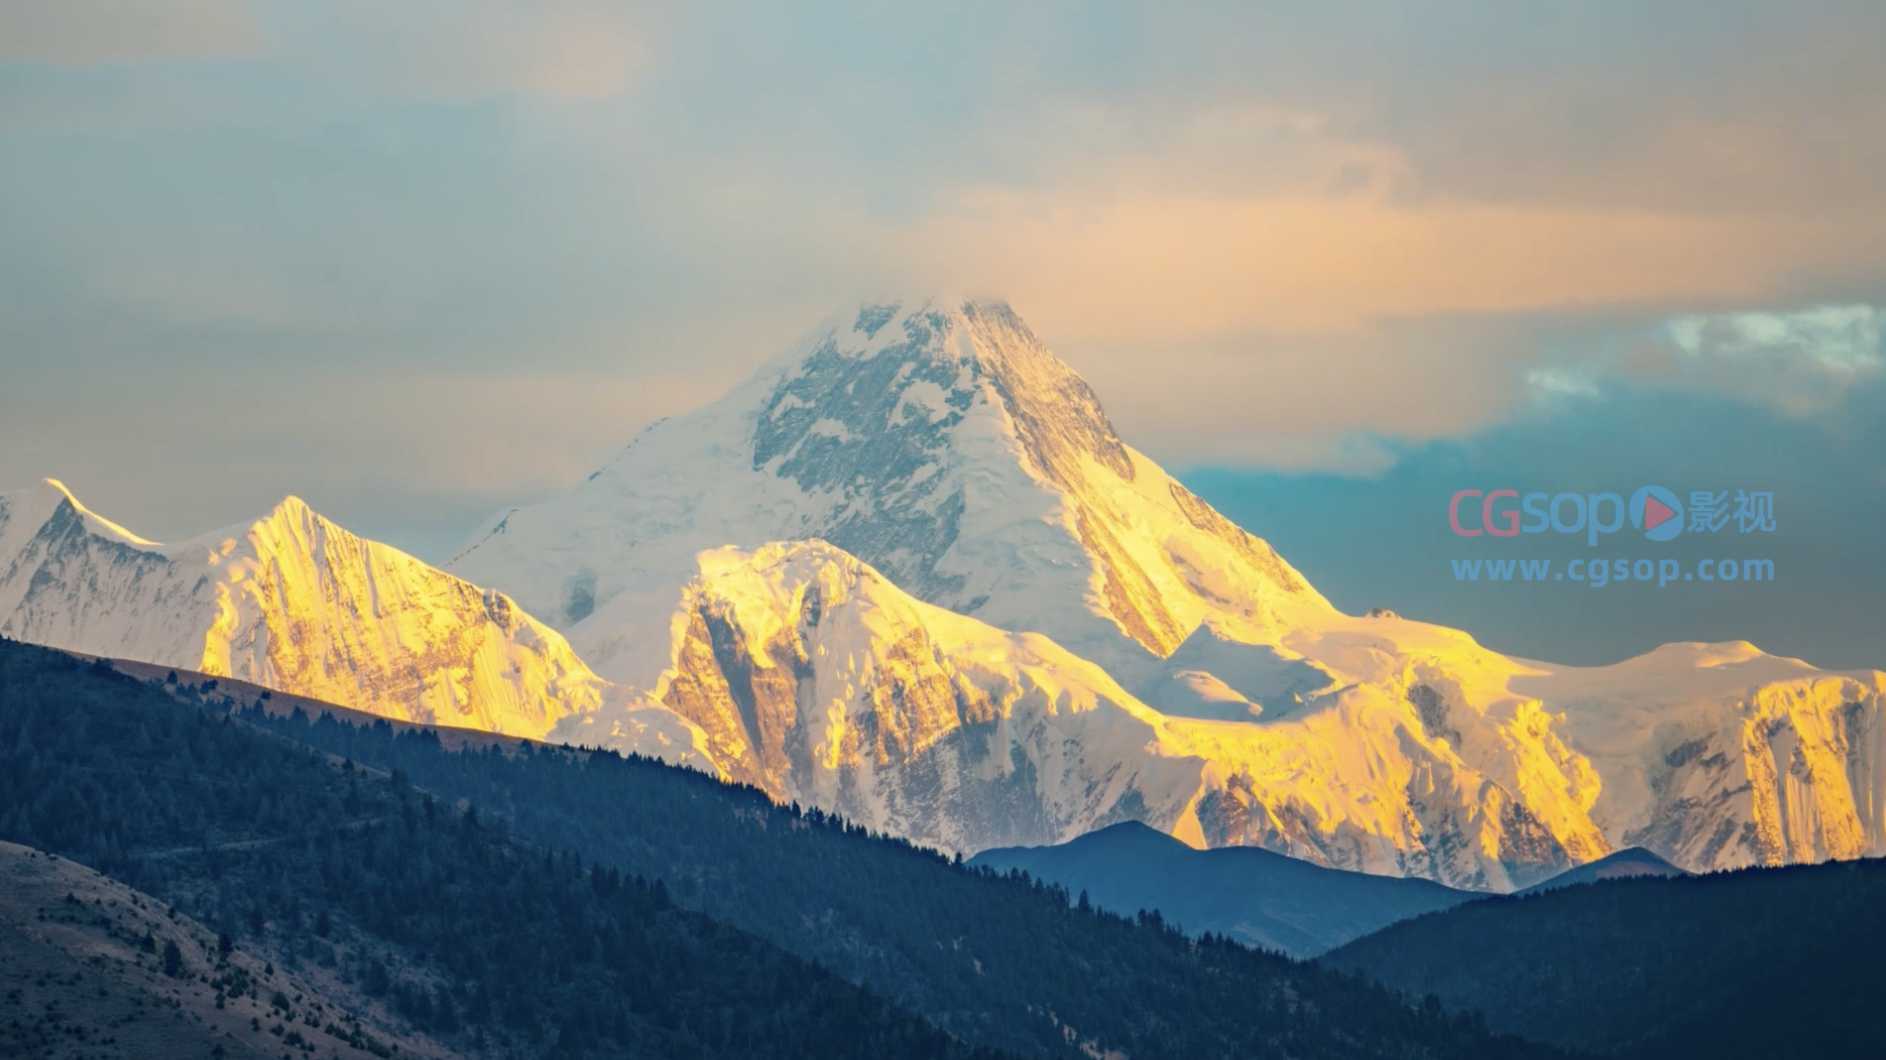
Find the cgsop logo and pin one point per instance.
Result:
(1654, 511)
(1509, 513)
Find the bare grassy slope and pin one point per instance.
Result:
(84, 976)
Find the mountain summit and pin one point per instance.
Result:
(941, 443)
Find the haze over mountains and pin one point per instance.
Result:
(1254, 896)
(1627, 864)
(908, 572)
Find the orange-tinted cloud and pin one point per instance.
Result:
(1145, 265)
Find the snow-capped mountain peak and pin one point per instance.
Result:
(940, 442)
(910, 572)
(927, 356)
(39, 503)
(291, 600)
(943, 443)
(807, 673)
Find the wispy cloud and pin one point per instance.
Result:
(1843, 343)
(1804, 362)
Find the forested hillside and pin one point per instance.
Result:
(983, 954)
(484, 943)
(448, 856)
(1769, 963)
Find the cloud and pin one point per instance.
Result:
(1801, 362)
(1267, 234)
(1686, 106)
(1553, 382)
(412, 457)
(560, 50)
(1144, 263)
(1336, 401)
(90, 32)
(1843, 343)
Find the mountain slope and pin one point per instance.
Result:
(817, 680)
(453, 927)
(940, 442)
(1254, 896)
(454, 874)
(1752, 963)
(1722, 756)
(85, 979)
(291, 601)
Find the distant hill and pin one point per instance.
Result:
(1756, 963)
(518, 900)
(1622, 864)
(1251, 895)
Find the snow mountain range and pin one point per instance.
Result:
(909, 572)
(290, 601)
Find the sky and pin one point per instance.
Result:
(1330, 263)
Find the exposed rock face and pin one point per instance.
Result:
(1752, 760)
(941, 442)
(814, 677)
